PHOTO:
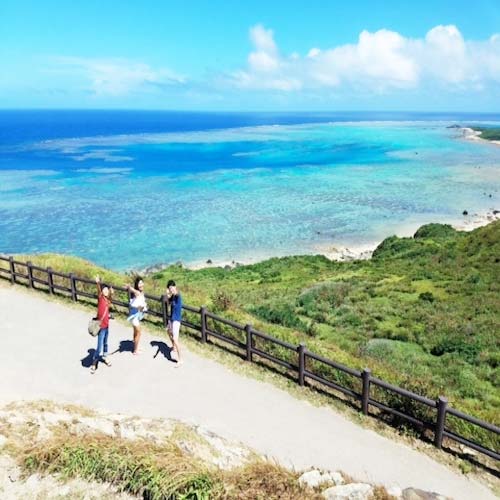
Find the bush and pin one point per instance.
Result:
(312, 329)
(281, 314)
(324, 295)
(426, 297)
(435, 231)
(393, 246)
(221, 301)
(467, 350)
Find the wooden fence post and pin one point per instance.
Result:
(12, 270)
(29, 265)
(365, 397)
(73, 287)
(442, 403)
(50, 280)
(203, 323)
(248, 331)
(164, 310)
(302, 362)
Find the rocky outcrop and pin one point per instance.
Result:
(38, 423)
(353, 491)
(315, 478)
(417, 494)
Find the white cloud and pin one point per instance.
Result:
(263, 39)
(115, 77)
(262, 62)
(377, 62)
(266, 57)
(487, 57)
(267, 69)
(444, 54)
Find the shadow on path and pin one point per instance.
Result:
(163, 349)
(125, 346)
(87, 360)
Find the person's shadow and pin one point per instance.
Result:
(163, 349)
(87, 360)
(125, 346)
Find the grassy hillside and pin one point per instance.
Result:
(423, 313)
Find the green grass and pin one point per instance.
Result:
(432, 301)
(162, 472)
(159, 471)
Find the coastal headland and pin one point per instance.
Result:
(488, 135)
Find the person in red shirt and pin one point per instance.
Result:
(104, 294)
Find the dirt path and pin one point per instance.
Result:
(45, 342)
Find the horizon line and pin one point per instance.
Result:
(277, 111)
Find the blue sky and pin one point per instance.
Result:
(256, 55)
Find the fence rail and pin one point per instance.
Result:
(298, 362)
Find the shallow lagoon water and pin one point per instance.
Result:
(139, 196)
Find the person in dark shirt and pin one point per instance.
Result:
(175, 318)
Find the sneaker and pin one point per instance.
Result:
(93, 368)
(106, 361)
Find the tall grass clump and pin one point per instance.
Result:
(161, 472)
(150, 471)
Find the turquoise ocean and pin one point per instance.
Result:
(129, 189)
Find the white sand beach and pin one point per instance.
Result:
(475, 135)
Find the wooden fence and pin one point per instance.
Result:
(359, 387)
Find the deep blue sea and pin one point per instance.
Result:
(128, 189)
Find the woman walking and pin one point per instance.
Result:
(104, 294)
(138, 307)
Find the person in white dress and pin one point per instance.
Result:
(138, 308)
